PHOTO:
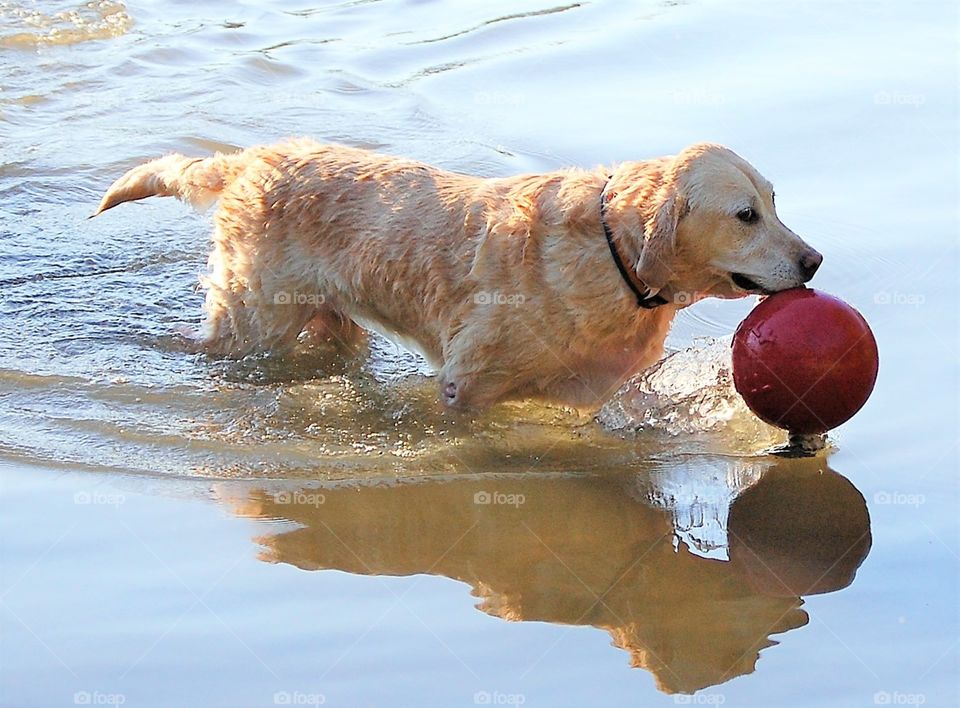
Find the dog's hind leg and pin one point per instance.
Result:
(242, 323)
(330, 326)
(253, 306)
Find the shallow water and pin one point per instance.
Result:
(160, 508)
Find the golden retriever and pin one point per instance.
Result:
(555, 286)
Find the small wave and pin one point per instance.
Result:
(506, 18)
(27, 27)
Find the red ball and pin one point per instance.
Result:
(804, 360)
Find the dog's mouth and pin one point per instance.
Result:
(750, 286)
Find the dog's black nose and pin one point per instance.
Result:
(809, 263)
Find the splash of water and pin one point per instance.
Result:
(26, 27)
(689, 392)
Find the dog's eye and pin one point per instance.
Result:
(748, 215)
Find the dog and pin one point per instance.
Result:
(555, 286)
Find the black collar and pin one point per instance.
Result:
(644, 301)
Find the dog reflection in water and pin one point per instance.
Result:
(588, 551)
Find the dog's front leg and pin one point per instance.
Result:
(462, 389)
(456, 389)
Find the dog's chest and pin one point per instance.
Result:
(633, 350)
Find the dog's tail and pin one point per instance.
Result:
(197, 181)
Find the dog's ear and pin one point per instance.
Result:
(655, 265)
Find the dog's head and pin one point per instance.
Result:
(704, 224)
